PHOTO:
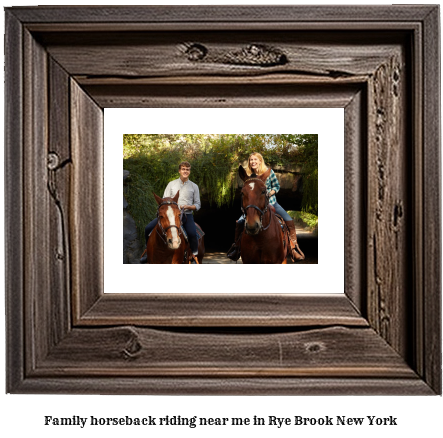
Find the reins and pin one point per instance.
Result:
(159, 225)
(164, 230)
(262, 212)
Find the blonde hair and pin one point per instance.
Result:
(261, 167)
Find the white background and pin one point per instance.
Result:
(328, 123)
(22, 415)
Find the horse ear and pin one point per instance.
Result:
(158, 199)
(242, 173)
(264, 176)
(175, 198)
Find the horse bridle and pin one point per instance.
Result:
(262, 212)
(164, 230)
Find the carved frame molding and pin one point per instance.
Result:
(64, 65)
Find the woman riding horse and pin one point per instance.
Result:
(256, 166)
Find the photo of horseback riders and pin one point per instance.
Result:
(220, 198)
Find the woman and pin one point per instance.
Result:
(256, 165)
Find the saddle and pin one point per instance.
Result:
(200, 232)
(284, 229)
(188, 253)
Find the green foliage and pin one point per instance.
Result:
(306, 156)
(141, 202)
(153, 159)
(311, 220)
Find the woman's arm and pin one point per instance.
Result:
(274, 184)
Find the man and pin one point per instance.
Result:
(189, 201)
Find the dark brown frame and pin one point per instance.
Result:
(64, 65)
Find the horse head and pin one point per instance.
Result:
(254, 200)
(168, 215)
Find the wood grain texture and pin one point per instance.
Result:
(226, 96)
(355, 189)
(432, 334)
(226, 14)
(231, 310)
(59, 167)
(37, 254)
(169, 55)
(14, 241)
(62, 69)
(388, 204)
(86, 200)
(418, 216)
(288, 386)
(129, 351)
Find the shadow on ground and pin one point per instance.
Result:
(308, 243)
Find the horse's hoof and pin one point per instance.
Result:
(144, 260)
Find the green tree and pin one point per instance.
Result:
(153, 159)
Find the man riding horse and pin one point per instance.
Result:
(189, 201)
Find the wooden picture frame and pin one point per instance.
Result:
(65, 64)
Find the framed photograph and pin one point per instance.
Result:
(218, 273)
(66, 65)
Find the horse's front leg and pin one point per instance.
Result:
(177, 258)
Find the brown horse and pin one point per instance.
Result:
(167, 244)
(263, 240)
